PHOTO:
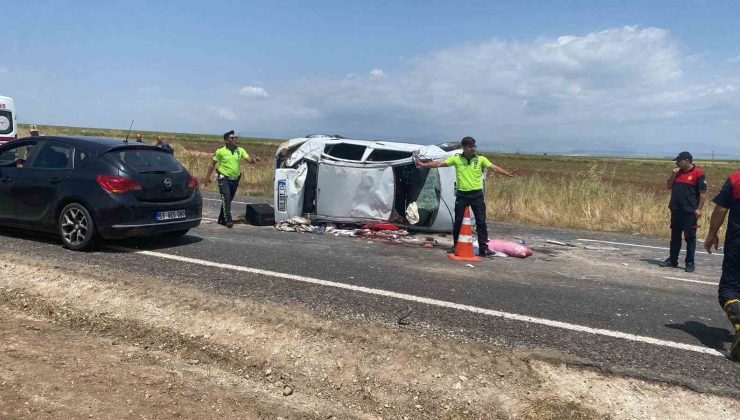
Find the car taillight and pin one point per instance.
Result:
(193, 183)
(118, 184)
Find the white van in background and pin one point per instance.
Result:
(8, 126)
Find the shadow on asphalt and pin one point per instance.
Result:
(711, 337)
(149, 243)
(652, 261)
(111, 247)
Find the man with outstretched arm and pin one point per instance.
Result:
(226, 162)
(728, 200)
(469, 170)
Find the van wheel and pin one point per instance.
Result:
(176, 233)
(76, 227)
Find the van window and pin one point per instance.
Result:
(380, 155)
(345, 151)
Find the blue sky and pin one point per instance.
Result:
(557, 76)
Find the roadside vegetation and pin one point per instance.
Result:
(596, 193)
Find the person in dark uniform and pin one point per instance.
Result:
(688, 187)
(728, 199)
(226, 162)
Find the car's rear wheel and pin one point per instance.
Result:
(76, 227)
(176, 233)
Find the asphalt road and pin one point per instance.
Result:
(606, 305)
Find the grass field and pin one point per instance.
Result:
(599, 193)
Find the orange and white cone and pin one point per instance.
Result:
(464, 246)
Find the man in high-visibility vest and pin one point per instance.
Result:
(226, 162)
(469, 170)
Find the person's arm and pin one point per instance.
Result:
(722, 202)
(249, 159)
(702, 185)
(669, 182)
(702, 199)
(207, 179)
(436, 163)
(718, 218)
(499, 170)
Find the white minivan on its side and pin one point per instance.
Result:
(8, 126)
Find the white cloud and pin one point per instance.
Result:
(253, 92)
(377, 74)
(224, 113)
(621, 84)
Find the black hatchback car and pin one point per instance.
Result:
(85, 188)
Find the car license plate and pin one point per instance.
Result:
(169, 215)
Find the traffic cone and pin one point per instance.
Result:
(464, 246)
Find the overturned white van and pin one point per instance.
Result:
(339, 180)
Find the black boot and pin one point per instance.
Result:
(669, 263)
(732, 308)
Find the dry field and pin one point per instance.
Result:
(609, 194)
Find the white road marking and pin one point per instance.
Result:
(692, 281)
(642, 246)
(443, 304)
(215, 199)
(209, 219)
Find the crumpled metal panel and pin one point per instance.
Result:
(355, 192)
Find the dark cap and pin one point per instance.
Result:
(228, 133)
(467, 141)
(684, 155)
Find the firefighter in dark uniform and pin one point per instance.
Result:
(226, 162)
(688, 187)
(728, 199)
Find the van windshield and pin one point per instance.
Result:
(6, 121)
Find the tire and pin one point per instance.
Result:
(77, 228)
(176, 233)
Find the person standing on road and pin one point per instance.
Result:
(688, 187)
(728, 199)
(469, 170)
(226, 162)
(139, 139)
(161, 143)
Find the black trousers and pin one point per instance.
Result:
(683, 223)
(227, 189)
(478, 206)
(729, 283)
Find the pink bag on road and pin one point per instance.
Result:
(509, 248)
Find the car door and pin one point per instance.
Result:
(13, 157)
(36, 189)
